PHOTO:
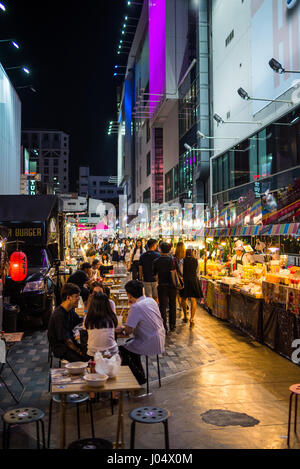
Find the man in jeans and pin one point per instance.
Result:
(167, 293)
(146, 269)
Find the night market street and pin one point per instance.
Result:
(150, 230)
(213, 366)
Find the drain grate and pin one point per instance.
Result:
(226, 418)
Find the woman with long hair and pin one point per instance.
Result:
(115, 251)
(100, 323)
(127, 253)
(192, 288)
(180, 255)
(136, 253)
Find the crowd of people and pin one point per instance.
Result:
(162, 275)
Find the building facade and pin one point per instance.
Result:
(151, 109)
(49, 152)
(97, 187)
(10, 137)
(258, 140)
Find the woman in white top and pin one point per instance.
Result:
(116, 249)
(100, 323)
(136, 253)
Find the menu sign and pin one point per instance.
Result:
(30, 232)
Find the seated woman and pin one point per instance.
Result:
(100, 323)
(95, 272)
(98, 287)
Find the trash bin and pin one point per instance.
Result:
(91, 443)
(10, 316)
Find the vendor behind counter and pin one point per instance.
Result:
(241, 258)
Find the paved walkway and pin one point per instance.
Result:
(212, 366)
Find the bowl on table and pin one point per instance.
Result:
(76, 368)
(95, 379)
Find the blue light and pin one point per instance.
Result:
(116, 66)
(115, 74)
(15, 45)
(26, 70)
(2, 7)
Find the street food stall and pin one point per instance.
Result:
(33, 228)
(248, 275)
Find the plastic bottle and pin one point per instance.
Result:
(92, 366)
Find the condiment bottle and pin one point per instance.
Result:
(92, 366)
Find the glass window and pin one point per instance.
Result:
(265, 155)
(253, 158)
(168, 186)
(220, 173)
(231, 169)
(225, 172)
(215, 175)
(241, 170)
(148, 163)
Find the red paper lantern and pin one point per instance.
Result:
(18, 266)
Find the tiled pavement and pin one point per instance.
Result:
(212, 366)
(184, 351)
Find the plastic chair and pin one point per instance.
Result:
(149, 415)
(295, 391)
(77, 399)
(23, 416)
(147, 371)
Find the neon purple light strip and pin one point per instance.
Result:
(157, 48)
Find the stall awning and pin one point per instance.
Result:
(254, 230)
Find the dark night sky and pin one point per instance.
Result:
(70, 46)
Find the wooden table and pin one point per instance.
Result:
(125, 381)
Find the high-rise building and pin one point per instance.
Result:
(258, 115)
(160, 105)
(98, 187)
(49, 149)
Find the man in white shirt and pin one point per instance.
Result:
(145, 323)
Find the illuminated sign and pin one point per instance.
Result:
(32, 187)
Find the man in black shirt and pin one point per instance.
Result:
(81, 278)
(167, 293)
(146, 269)
(61, 325)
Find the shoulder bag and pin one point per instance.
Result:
(176, 279)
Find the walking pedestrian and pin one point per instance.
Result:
(180, 255)
(146, 269)
(167, 292)
(192, 288)
(136, 253)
